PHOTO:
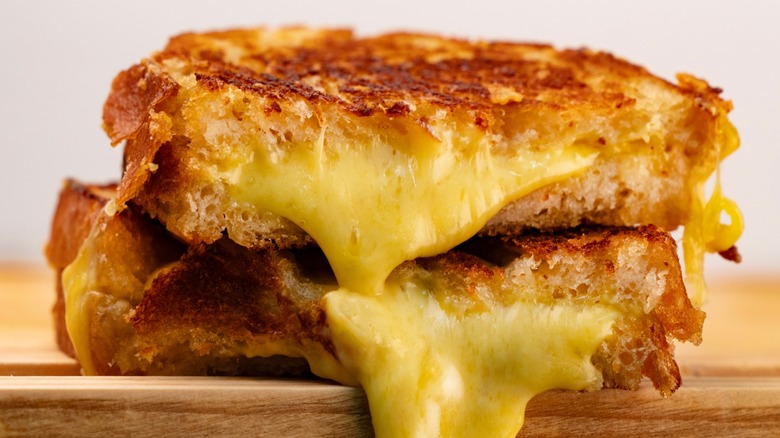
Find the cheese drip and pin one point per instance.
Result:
(429, 370)
(704, 231)
(371, 205)
(82, 295)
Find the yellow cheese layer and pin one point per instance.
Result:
(429, 370)
(81, 293)
(704, 231)
(371, 205)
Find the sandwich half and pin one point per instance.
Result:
(455, 226)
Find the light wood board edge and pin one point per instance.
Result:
(187, 407)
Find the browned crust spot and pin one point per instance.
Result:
(127, 115)
(228, 289)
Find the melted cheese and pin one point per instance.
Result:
(81, 297)
(429, 370)
(443, 374)
(704, 231)
(371, 206)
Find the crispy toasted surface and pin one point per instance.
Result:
(387, 73)
(195, 112)
(224, 309)
(77, 208)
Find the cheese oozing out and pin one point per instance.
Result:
(429, 370)
(371, 205)
(82, 293)
(704, 232)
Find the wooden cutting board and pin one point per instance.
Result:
(731, 384)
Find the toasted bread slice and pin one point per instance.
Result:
(221, 308)
(197, 113)
(77, 208)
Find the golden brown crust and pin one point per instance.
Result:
(223, 288)
(384, 73)
(128, 114)
(77, 208)
(134, 92)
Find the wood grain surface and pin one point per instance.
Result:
(731, 385)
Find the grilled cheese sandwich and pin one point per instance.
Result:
(386, 153)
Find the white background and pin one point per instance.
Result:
(57, 60)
